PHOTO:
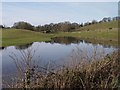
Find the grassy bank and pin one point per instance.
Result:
(18, 36)
(87, 75)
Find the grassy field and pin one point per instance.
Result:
(103, 33)
(102, 26)
(18, 36)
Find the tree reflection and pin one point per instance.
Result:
(66, 40)
(25, 46)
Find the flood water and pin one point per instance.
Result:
(56, 52)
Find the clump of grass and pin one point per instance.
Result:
(104, 73)
(95, 74)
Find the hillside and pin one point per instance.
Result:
(21, 36)
(101, 26)
(104, 33)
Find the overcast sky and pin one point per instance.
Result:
(54, 12)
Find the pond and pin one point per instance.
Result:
(56, 52)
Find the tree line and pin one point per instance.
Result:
(57, 27)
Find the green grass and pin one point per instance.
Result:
(18, 36)
(96, 33)
(101, 26)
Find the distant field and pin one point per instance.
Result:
(18, 36)
(101, 26)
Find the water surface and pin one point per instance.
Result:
(56, 52)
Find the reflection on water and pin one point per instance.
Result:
(55, 52)
(20, 47)
(65, 40)
(75, 40)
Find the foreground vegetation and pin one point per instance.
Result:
(93, 74)
(21, 36)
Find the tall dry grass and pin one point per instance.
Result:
(101, 74)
